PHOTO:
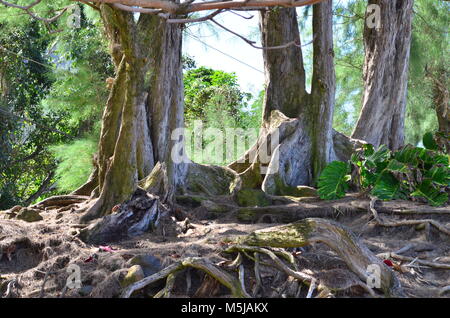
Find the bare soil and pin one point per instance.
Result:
(38, 252)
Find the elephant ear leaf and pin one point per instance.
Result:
(433, 196)
(439, 175)
(429, 142)
(387, 187)
(333, 180)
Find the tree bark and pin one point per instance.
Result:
(441, 97)
(382, 117)
(301, 122)
(323, 89)
(144, 106)
(284, 70)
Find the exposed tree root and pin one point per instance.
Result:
(60, 201)
(204, 265)
(382, 222)
(357, 256)
(90, 185)
(444, 290)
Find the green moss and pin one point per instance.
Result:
(135, 273)
(286, 236)
(252, 197)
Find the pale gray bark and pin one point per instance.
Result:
(284, 70)
(304, 150)
(386, 75)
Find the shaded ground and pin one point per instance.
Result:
(41, 251)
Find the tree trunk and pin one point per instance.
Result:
(441, 97)
(284, 71)
(323, 90)
(144, 106)
(306, 138)
(386, 75)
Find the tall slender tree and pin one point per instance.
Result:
(387, 49)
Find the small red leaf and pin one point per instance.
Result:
(388, 262)
(89, 259)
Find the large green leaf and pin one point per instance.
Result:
(409, 155)
(429, 142)
(333, 180)
(433, 196)
(439, 175)
(387, 187)
(397, 166)
(378, 158)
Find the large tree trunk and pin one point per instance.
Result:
(144, 106)
(299, 121)
(386, 75)
(284, 71)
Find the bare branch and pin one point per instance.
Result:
(192, 6)
(201, 19)
(133, 9)
(252, 43)
(240, 15)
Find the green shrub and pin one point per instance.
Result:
(409, 173)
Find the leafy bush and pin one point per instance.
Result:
(411, 172)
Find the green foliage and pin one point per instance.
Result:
(75, 163)
(429, 142)
(52, 90)
(429, 52)
(207, 89)
(25, 131)
(333, 181)
(215, 98)
(409, 173)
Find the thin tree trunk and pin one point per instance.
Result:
(323, 89)
(386, 75)
(441, 99)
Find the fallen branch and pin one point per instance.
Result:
(382, 222)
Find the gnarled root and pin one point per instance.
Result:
(382, 222)
(204, 265)
(60, 201)
(356, 255)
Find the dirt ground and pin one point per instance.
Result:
(37, 265)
